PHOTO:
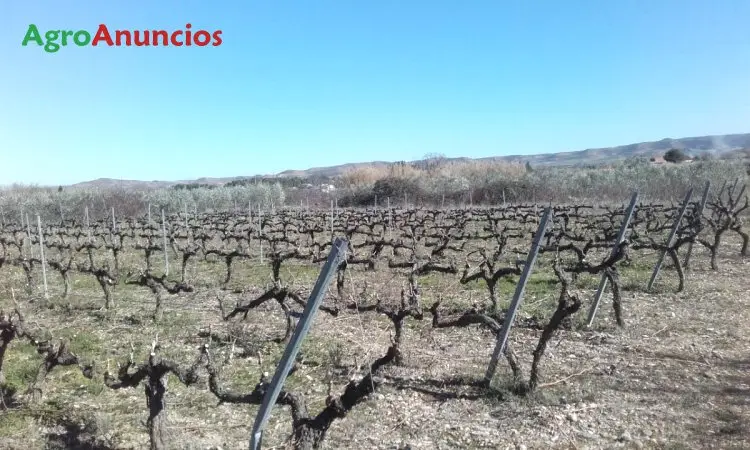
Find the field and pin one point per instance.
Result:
(102, 346)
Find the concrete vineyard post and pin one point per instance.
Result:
(260, 232)
(164, 237)
(28, 233)
(502, 336)
(23, 238)
(620, 238)
(670, 238)
(699, 218)
(88, 223)
(41, 253)
(331, 220)
(338, 253)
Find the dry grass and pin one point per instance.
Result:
(677, 376)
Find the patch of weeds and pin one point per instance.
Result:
(14, 423)
(733, 423)
(132, 319)
(100, 426)
(82, 342)
(299, 273)
(93, 388)
(636, 279)
(544, 397)
(8, 397)
(20, 366)
(315, 351)
(242, 375)
(84, 282)
(336, 355)
(175, 321)
(433, 280)
(88, 433)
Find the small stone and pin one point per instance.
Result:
(587, 435)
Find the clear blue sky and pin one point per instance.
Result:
(299, 84)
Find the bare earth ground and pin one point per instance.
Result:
(677, 375)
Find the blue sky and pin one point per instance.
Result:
(299, 84)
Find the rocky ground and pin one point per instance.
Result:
(676, 376)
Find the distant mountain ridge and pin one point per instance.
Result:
(718, 145)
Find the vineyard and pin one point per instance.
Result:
(164, 330)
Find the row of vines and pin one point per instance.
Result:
(484, 246)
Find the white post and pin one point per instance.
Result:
(114, 226)
(23, 239)
(187, 225)
(515, 303)
(88, 222)
(41, 252)
(28, 233)
(164, 235)
(390, 219)
(260, 235)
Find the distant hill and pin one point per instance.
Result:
(715, 145)
(694, 146)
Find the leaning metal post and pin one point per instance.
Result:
(620, 238)
(502, 337)
(338, 252)
(672, 234)
(699, 218)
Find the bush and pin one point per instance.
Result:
(395, 187)
(53, 205)
(675, 155)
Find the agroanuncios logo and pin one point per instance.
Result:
(53, 40)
